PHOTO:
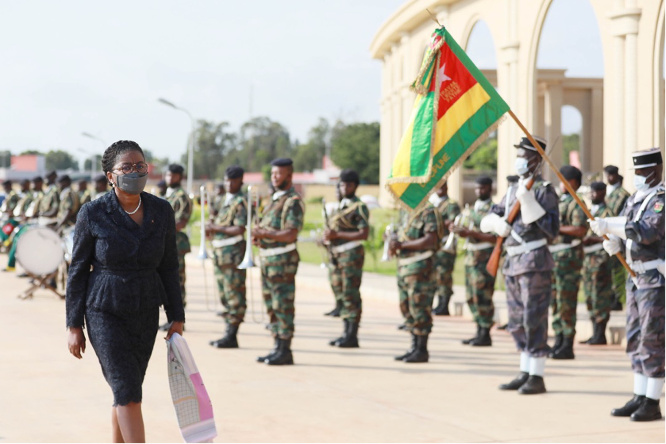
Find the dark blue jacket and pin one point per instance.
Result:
(120, 267)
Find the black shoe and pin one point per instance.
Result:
(648, 411)
(408, 352)
(556, 346)
(617, 306)
(283, 354)
(483, 340)
(335, 342)
(516, 383)
(594, 332)
(229, 340)
(421, 353)
(470, 340)
(270, 353)
(402, 327)
(533, 386)
(503, 327)
(442, 308)
(335, 312)
(222, 314)
(565, 351)
(599, 337)
(630, 407)
(350, 339)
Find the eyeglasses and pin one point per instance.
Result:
(126, 168)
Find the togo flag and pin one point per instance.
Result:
(456, 108)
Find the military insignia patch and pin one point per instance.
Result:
(658, 207)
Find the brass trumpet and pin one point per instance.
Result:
(389, 234)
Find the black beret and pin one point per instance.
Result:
(513, 178)
(234, 172)
(37, 179)
(52, 173)
(484, 180)
(174, 168)
(597, 186)
(647, 158)
(611, 169)
(571, 172)
(349, 175)
(64, 178)
(282, 162)
(25, 182)
(7, 183)
(100, 178)
(525, 143)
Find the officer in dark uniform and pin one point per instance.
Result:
(528, 265)
(639, 233)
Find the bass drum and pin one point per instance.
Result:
(39, 251)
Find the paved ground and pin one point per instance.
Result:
(330, 395)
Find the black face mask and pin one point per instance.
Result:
(132, 183)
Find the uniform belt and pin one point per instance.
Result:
(219, 243)
(642, 267)
(47, 220)
(267, 252)
(346, 247)
(479, 246)
(593, 248)
(524, 248)
(561, 247)
(416, 258)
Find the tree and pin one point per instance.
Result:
(357, 146)
(213, 143)
(261, 140)
(309, 156)
(60, 160)
(570, 142)
(484, 158)
(98, 163)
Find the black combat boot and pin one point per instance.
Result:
(533, 386)
(516, 383)
(350, 339)
(421, 353)
(410, 351)
(617, 304)
(599, 337)
(283, 354)
(556, 346)
(594, 333)
(335, 342)
(483, 339)
(473, 338)
(336, 311)
(442, 308)
(270, 353)
(565, 351)
(648, 411)
(229, 339)
(630, 407)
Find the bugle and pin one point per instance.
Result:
(248, 261)
(203, 254)
(389, 234)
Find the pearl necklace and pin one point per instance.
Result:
(136, 209)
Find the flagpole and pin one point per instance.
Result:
(567, 185)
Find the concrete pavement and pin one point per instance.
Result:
(330, 395)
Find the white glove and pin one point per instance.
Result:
(613, 245)
(492, 223)
(530, 210)
(609, 225)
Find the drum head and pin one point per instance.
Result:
(39, 251)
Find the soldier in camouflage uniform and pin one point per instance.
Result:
(616, 197)
(415, 245)
(84, 193)
(639, 233)
(218, 200)
(48, 204)
(528, 265)
(347, 228)
(276, 234)
(101, 186)
(69, 206)
(567, 251)
(479, 284)
(7, 208)
(31, 213)
(448, 209)
(228, 248)
(597, 272)
(182, 207)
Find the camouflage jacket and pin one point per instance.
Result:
(571, 214)
(414, 226)
(596, 258)
(231, 214)
(9, 204)
(84, 197)
(617, 199)
(284, 212)
(48, 205)
(181, 204)
(25, 199)
(33, 208)
(477, 258)
(68, 207)
(353, 215)
(447, 208)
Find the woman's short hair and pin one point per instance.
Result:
(115, 150)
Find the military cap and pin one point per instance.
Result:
(37, 179)
(52, 173)
(611, 169)
(99, 178)
(234, 172)
(282, 162)
(526, 144)
(175, 168)
(513, 178)
(64, 178)
(7, 183)
(571, 172)
(484, 180)
(349, 175)
(647, 158)
(597, 186)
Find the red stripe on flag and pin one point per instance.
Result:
(455, 80)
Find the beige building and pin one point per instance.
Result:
(620, 113)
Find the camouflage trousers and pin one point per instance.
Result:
(528, 297)
(619, 279)
(566, 281)
(231, 285)
(183, 246)
(416, 292)
(444, 263)
(598, 287)
(645, 330)
(278, 290)
(346, 281)
(480, 287)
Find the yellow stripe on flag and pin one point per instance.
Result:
(401, 164)
(399, 188)
(464, 108)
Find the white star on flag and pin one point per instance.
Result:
(442, 76)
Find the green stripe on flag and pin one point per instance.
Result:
(422, 137)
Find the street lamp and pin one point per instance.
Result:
(94, 157)
(190, 151)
